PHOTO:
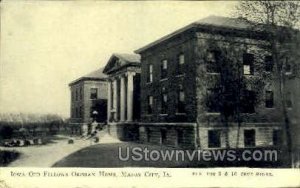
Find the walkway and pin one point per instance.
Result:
(47, 155)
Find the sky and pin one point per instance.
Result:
(47, 44)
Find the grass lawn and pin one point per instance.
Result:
(107, 155)
(7, 157)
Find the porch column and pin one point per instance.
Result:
(108, 100)
(130, 96)
(122, 98)
(115, 99)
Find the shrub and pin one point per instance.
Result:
(6, 132)
(7, 157)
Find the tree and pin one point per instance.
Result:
(6, 132)
(278, 20)
(230, 95)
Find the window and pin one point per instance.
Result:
(80, 94)
(80, 112)
(248, 67)
(164, 101)
(76, 95)
(91, 111)
(181, 59)
(269, 99)
(289, 99)
(94, 93)
(288, 66)
(72, 113)
(248, 101)
(214, 138)
(164, 69)
(179, 136)
(212, 65)
(150, 105)
(112, 96)
(181, 62)
(212, 102)
(269, 63)
(76, 112)
(150, 73)
(249, 138)
(163, 134)
(277, 137)
(181, 100)
(148, 134)
(72, 96)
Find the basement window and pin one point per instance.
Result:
(249, 138)
(179, 136)
(148, 134)
(277, 137)
(163, 134)
(214, 138)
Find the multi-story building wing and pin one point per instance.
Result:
(88, 100)
(181, 88)
(123, 109)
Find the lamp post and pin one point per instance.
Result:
(94, 120)
(94, 115)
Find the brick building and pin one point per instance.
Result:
(88, 100)
(180, 76)
(123, 107)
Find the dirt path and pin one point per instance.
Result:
(46, 155)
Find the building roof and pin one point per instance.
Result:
(131, 58)
(123, 60)
(215, 21)
(95, 75)
(237, 23)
